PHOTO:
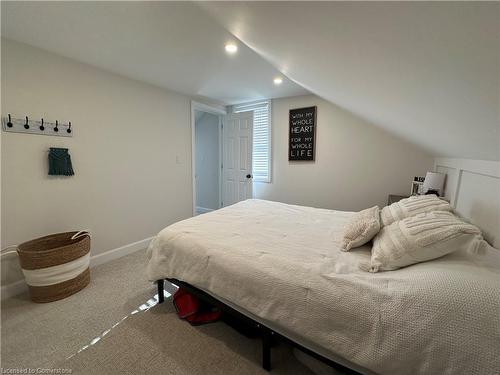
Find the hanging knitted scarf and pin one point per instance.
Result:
(60, 162)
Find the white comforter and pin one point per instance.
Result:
(282, 263)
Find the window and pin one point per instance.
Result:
(261, 168)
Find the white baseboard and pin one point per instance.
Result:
(20, 286)
(203, 210)
(119, 252)
(13, 289)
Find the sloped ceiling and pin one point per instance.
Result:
(169, 44)
(428, 72)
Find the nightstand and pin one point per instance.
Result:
(395, 198)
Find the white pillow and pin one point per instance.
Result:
(420, 238)
(362, 227)
(412, 206)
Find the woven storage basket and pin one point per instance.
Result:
(56, 266)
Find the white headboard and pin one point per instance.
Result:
(473, 188)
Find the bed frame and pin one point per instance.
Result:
(267, 335)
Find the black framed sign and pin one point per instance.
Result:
(302, 134)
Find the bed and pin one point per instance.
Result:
(280, 265)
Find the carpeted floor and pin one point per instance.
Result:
(114, 327)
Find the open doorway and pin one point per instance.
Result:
(221, 157)
(207, 161)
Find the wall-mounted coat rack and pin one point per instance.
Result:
(42, 127)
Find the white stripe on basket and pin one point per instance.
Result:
(57, 274)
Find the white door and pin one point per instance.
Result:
(237, 145)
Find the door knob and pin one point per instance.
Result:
(249, 176)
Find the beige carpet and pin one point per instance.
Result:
(111, 328)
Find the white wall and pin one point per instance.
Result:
(357, 164)
(207, 160)
(131, 154)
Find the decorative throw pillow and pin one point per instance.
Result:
(362, 227)
(420, 238)
(412, 206)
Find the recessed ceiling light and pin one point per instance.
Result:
(231, 48)
(278, 81)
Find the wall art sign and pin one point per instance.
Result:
(302, 134)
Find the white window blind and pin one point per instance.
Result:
(261, 138)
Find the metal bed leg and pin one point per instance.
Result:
(266, 349)
(161, 295)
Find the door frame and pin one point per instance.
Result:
(197, 106)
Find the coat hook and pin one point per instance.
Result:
(9, 123)
(69, 127)
(56, 129)
(42, 128)
(26, 126)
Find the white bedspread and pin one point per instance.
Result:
(282, 263)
